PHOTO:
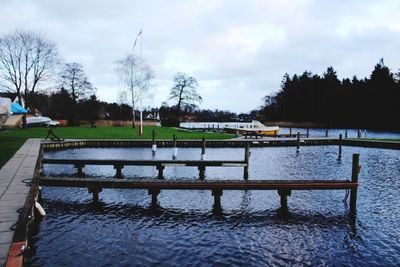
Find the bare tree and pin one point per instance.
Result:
(26, 60)
(136, 77)
(74, 80)
(184, 91)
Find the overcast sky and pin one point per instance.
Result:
(237, 50)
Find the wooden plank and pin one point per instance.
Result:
(200, 184)
(15, 256)
(194, 163)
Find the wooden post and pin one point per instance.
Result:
(160, 169)
(95, 190)
(202, 170)
(175, 149)
(246, 159)
(290, 132)
(118, 168)
(154, 144)
(354, 179)
(154, 193)
(359, 133)
(80, 169)
(345, 134)
(340, 146)
(284, 193)
(217, 193)
(326, 132)
(298, 142)
(203, 149)
(308, 132)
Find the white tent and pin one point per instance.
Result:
(5, 106)
(5, 109)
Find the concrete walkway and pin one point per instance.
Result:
(13, 191)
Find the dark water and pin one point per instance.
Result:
(123, 230)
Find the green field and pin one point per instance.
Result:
(12, 139)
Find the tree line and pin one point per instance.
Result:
(372, 102)
(31, 67)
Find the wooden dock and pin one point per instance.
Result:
(18, 189)
(154, 186)
(159, 164)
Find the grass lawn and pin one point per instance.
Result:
(12, 139)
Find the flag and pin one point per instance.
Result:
(137, 38)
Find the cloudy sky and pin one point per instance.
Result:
(237, 50)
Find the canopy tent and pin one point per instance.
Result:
(5, 106)
(17, 109)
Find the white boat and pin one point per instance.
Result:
(255, 127)
(233, 127)
(40, 121)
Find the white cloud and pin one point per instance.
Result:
(238, 50)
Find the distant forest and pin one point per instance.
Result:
(372, 103)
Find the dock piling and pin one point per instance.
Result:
(340, 146)
(95, 190)
(345, 134)
(326, 132)
(298, 142)
(246, 159)
(175, 149)
(154, 194)
(308, 132)
(203, 148)
(80, 169)
(154, 144)
(118, 168)
(160, 169)
(284, 193)
(202, 170)
(217, 193)
(354, 179)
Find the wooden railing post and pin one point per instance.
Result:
(340, 146)
(354, 179)
(202, 170)
(326, 132)
(308, 133)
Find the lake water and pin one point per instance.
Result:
(123, 229)
(351, 133)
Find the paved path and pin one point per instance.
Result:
(13, 191)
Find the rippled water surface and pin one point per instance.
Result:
(123, 229)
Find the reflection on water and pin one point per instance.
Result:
(123, 229)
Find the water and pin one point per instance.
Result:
(123, 230)
(351, 133)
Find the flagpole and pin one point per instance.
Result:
(141, 97)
